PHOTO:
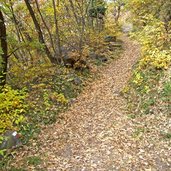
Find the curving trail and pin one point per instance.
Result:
(92, 137)
(96, 134)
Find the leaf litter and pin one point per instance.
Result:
(96, 134)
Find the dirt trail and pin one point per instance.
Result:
(96, 134)
(92, 135)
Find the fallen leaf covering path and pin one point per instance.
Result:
(96, 133)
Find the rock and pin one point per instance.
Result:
(102, 58)
(110, 39)
(77, 81)
(11, 139)
(99, 57)
(114, 45)
(68, 61)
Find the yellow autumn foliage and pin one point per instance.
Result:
(12, 108)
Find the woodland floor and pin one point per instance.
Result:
(96, 134)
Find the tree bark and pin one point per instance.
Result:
(39, 32)
(58, 52)
(4, 48)
(44, 22)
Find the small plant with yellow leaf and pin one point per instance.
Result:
(12, 108)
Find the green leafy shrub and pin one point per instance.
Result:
(12, 108)
(143, 90)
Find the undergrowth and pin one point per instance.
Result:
(48, 90)
(149, 91)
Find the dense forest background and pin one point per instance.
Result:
(42, 42)
(50, 49)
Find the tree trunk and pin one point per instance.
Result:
(58, 52)
(44, 22)
(4, 48)
(39, 32)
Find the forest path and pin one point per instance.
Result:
(95, 134)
